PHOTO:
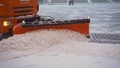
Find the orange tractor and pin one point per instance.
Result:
(20, 16)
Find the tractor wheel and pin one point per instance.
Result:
(1, 36)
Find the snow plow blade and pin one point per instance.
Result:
(79, 25)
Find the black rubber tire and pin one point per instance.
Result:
(1, 37)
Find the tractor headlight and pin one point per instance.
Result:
(7, 23)
(88, 17)
(23, 22)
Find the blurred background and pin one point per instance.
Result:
(76, 1)
(104, 14)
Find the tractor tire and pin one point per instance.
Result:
(1, 36)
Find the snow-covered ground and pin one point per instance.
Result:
(65, 48)
(61, 61)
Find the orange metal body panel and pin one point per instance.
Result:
(10, 8)
(83, 28)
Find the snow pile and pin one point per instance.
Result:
(40, 39)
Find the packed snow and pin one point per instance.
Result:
(62, 48)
